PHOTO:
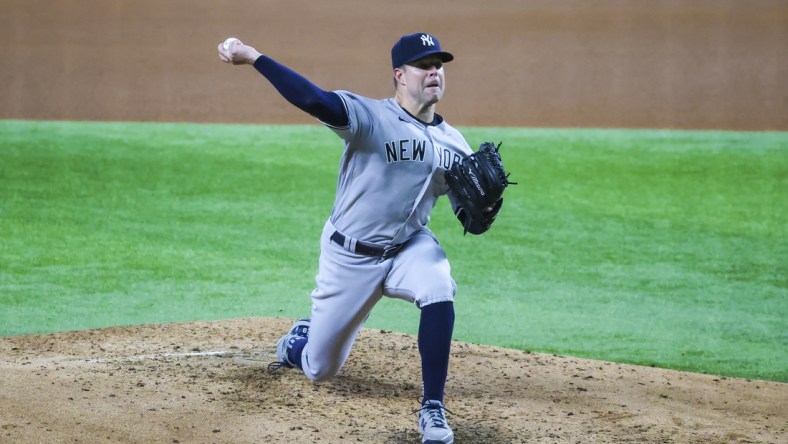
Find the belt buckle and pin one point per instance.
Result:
(390, 250)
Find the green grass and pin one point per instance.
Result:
(663, 248)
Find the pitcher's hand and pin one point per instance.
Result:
(234, 51)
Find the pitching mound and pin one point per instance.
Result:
(206, 382)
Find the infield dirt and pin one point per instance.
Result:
(207, 382)
(611, 63)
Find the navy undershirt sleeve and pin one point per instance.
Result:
(326, 106)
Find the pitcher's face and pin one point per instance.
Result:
(425, 80)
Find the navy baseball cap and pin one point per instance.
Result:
(412, 47)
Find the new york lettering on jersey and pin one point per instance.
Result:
(405, 150)
(447, 157)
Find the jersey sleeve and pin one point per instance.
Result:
(358, 113)
(299, 91)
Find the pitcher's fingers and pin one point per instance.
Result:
(222, 55)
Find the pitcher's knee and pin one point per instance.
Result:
(321, 373)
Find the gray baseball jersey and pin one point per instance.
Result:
(391, 173)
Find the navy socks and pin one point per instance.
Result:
(435, 330)
(294, 354)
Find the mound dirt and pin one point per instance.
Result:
(206, 382)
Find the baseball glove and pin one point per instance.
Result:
(477, 183)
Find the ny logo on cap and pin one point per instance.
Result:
(426, 40)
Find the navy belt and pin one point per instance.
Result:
(365, 248)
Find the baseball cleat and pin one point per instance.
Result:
(299, 330)
(432, 423)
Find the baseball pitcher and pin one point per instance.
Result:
(399, 157)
